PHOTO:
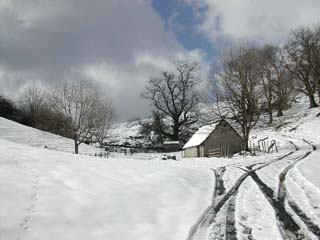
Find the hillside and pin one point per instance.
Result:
(126, 132)
(296, 119)
(47, 194)
(29, 136)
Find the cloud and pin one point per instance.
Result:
(119, 43)
(262, 21)
(127, 82)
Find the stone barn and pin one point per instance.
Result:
(219, 139)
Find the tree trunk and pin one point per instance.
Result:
(76, 147)
(318, 88)
(279, 113)
(175, 128)
(246, 143)
(312, 101)
(175, 136)
(270, 117)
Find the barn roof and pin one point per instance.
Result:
(201, 135)
(171, 142)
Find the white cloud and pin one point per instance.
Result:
(157, 61)
(259, 20)
(126, 82)
(120, 43)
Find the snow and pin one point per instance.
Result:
(19, 133)
(47, 194)
(270, 174)
(231, 175)
(171, 142)
(309, 129)
(249, 217)
(54, 195)
(127, 132)
(200, 136)
(304, 186)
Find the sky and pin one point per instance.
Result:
(122, 43)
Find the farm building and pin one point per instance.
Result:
(171, 146)
(215, 140)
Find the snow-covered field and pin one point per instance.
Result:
(18, 133)
(52, 195)
(48, 194)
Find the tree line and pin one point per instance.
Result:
(75, 109)
(252, 80)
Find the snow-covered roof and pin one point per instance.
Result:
(171, 142)
(201, 135)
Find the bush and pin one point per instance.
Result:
(9, 110)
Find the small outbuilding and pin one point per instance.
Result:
(171, 146)
(219, 139)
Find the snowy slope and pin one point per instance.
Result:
(53, 195)
(19, 133)
(46, 194)
(126, 132)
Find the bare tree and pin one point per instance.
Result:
(173, 94)
(266, 59)
(240, 77)
(301, 64)
(85, 109)
(9, 110)
(282, 85)
(31, 101)
(154, 129)
(276, 83)
(316, 58)
(106, 117)
(53, 120)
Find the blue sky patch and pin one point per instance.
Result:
(183, 21)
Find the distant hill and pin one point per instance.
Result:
(129, 132)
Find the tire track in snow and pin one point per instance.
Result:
(282, 191)
(282, 194)
(314, 148)
(201, 229)
(294, 145)
(231, 231)
(289, 228)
